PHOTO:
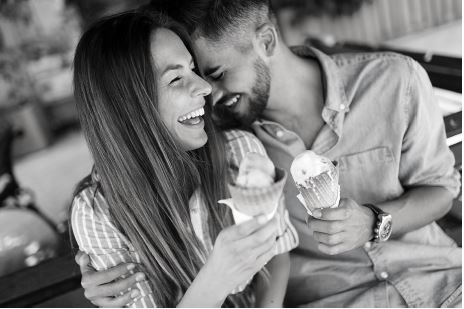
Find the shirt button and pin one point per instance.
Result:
(384, 275)
(367, 245)
(342, 106)
(280, 133)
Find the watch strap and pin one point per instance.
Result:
(378, 220)
(377, 211)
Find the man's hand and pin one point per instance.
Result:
(107, 288)
(342, 229)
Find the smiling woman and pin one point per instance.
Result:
(182, 91)
(160, 168)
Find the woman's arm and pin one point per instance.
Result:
(97, 236)
(239, 252)
(203, 293)
(270, 292)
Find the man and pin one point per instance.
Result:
(372, 113)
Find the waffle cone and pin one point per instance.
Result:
(255, 201)
(321, 191)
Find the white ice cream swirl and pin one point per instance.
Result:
(308, 164)
(255, 171)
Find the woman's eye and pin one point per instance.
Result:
(175, 80)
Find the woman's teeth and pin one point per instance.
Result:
(192, 117)
(232, 101)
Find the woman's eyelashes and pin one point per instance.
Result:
(175, 80)
(178, 78)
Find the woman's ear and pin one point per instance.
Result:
(266, 39)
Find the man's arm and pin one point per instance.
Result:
(107, 288)
(351, 225)
(408, 211)
(426, 173)
(270, 292)
(104, 287)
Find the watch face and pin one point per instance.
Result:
(385, 228)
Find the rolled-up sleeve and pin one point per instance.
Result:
(425, 158)
(97, 236)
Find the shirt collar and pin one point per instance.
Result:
(334, 89)
(335, 101)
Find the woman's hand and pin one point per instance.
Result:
(240, 251)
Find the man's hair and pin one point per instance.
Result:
(216, 19)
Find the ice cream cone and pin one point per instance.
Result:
(255, 201)
(321, 191)
(316, 177)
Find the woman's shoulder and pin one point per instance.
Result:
(240, 142)
(92, 225)
(88, 202)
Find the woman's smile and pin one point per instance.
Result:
(193, 117)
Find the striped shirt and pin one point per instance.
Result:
(107, 247)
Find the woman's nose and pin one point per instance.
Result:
(201, 87)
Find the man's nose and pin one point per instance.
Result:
(217, 94)
(201, 87)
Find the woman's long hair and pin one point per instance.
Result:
(144, 174)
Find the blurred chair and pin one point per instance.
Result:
(27, 236)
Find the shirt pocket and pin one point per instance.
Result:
(369, 176)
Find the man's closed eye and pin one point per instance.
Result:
(217, 77)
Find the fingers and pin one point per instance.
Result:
(248, 227)
(329, 239)
(334, 214)
(78, 257)
(116, 302)
(326, 227)
(92, 279)
(115, 288)
(333, 250)
(264, 246)
(83, 260)
(260, 236)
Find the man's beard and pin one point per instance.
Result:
(226, 118)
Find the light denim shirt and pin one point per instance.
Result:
(383, 126)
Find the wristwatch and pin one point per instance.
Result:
(383, 225)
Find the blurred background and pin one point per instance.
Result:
(43, 153)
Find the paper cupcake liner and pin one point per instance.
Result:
(321, 191)
(255, 201)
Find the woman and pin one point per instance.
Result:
(160, 168)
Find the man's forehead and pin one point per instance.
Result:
(210, 53)
(207, 46)
(214, 53)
